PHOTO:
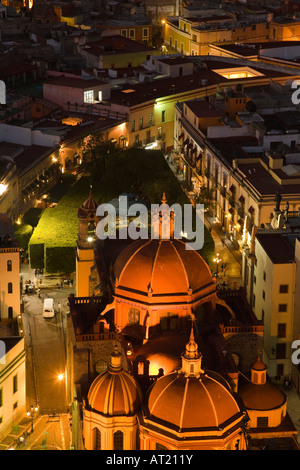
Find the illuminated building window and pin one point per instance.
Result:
(100, 95)
(88, 96)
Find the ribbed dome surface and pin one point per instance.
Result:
(261, 396)
(165, 267)
(114, 394)
(189, 403)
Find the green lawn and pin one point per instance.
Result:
(53, 243)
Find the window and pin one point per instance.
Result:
(280, 351)
(118, 440)
(283, 289)
(15, 405)
(88, 96)
(262, 421)
(281, 330)
(10, 313)
(9, 288)
(264, 276)
(98, 439)
(9, 265)
(150, 119)
(263, 295)
(163, 116)
(124, 32)
(133, 126)
(141, 122)
(282, 308)
(134, 316)
(145, 32)
(131, 33)
(15, 383)
(100, 95)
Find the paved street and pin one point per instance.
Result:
(44, 340)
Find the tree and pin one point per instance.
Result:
(207, 197)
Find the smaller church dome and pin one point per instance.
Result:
(89, 205)
(115, 392)
(192, 399)
(259, 393)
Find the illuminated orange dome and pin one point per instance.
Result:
(159, 268)
(259, 394)
(192, 399)
(115, 392)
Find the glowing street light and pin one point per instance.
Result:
(217, 260)
(60, 377)
(32, 412)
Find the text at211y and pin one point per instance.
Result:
(154, 459)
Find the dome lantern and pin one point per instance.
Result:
(191, 358)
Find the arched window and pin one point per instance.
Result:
(98, 439)
(9, 288)
(134, 316)
(9, 265)
(10, 312)
(118, 440)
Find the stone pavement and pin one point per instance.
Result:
(45, 433)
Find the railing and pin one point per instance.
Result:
(98, 336)
(242, 329)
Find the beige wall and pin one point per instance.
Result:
(14, 404)
(6, 299)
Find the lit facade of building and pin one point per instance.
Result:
(270, 276)
(9, 272)
(12, 383)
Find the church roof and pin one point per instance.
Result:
(162, 268)
(115, 392)
(192, 399)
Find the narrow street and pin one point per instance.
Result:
(45, 361)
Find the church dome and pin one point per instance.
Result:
(260, 394)
(115, 392)
(162, 268)
(89, 205)
(192, 399)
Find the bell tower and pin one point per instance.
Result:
(87, 222)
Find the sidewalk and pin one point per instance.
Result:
(49, 433)
(43, 281)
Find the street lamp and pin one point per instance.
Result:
(217, 260)
(32, 413)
